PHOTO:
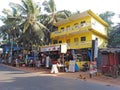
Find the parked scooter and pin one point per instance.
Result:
(85, 67)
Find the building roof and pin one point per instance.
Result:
(110, 50)
(81, 15)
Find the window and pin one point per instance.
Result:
(83, 23)
(68, 27)
(60, 41)
(55, 41)
(76, 25)
(62, 28)
(68, 41)
(75, 39)
(83, 38)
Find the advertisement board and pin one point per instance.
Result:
(1, 50)
(50, 48)
(63, 48)
(96, 49)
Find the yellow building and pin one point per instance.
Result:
(79, 30)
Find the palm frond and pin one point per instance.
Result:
(18, 7)
(42, 26)
(7, 12)
(25, 26)
(52, 5)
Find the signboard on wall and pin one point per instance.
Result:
(96, 49)
(63, 48)
(60, 47)
(50, 48)
(1, 50)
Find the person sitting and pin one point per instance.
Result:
(85, 67)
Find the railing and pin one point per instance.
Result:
(83, 44)
(76, 28)
(75, 45)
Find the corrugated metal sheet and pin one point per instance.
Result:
(112, 50)
(113, 59)
(104, 60)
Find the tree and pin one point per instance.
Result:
(114, 40)
(107, 16)
(53, 16)
(50, 8)
(11, 28)
(29, 12)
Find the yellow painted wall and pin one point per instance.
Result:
(79, 44)
(102, 43)
(87, 35)
(71, 24)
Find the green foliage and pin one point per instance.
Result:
(22, 23)
(11, 27)
(107, 16)
(27, 26)
(114, 36)
(49, 6)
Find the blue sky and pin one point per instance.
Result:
(97, 6)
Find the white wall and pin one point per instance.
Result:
(98, 26)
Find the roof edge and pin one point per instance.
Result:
(90, 12)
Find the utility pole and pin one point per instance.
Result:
(11, 49)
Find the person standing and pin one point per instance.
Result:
(26, 59)
(17, 62)
(47, 61)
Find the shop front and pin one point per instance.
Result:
(53, 54)
(72, 60)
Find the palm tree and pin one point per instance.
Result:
(11, 28)
(29, 12)
(53, 16)
(10, 31)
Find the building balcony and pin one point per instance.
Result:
(80, 45)
(80, 28)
